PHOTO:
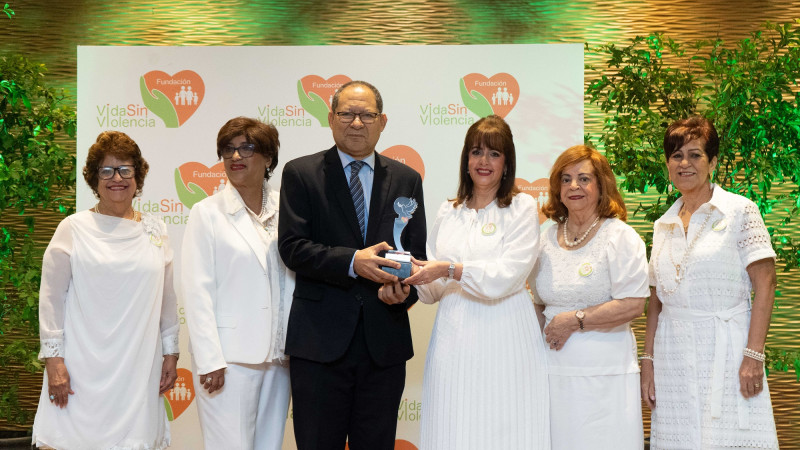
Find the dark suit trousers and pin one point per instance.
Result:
(348, 399)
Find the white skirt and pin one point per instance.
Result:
(596, 412)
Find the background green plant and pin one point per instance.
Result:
(36, 173)
(749, 90)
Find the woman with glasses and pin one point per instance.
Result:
(107, 315)
(238, 294)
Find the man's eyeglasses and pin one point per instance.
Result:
(365, 117)
(107, 172)
(245, 151)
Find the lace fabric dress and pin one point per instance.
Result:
(107, 306)
(702, 329)
(485, 383)
(594, 379)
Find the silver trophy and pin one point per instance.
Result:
(404, 207)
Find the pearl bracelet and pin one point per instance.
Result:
(646, 355)
(750, 353)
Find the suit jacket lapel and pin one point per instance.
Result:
(241, 221)
(382, 180)
(337, 183)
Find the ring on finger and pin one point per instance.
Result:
(52, 397)
(757, 385)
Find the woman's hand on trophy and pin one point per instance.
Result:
(424, 272)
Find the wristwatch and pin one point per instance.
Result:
(579, 314)
(451, 271)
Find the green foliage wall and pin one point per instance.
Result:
(748, 89)
(49, 32)
(35, 173)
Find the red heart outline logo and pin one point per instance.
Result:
(501, 90)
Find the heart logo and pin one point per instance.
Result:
(539, 190)
(195, 181)
(407, 156)
(173, 98)
(485, 96)
(177, 399)
(316, 94)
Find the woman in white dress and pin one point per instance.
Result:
(485, 381)
(590, 281)
(107, 315)
(238, 294)
(703, 370)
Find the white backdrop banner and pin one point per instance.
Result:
(173, 100)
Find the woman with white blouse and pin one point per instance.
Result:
(590, 281)
(703, 367)
(238, 295)
(107, 315)
(485, 382)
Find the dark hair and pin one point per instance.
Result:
(120, 146)
(378, 98)
(493, 132)
(683, 131)
(263, 135)
(610, 203)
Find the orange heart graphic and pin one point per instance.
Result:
(539, 190)
(407, 156)
(501, 90)
(181, 396)
(211, 180)
(184, 90)
(322, 87)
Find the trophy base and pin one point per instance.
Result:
(404, 258)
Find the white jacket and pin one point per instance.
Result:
(236, 290)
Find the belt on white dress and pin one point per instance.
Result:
(729, 324)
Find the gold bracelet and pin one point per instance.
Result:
(646, 355)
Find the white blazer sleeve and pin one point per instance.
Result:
(198, 286)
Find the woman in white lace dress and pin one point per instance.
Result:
(238, 294)
(107, 315)
(485, 384)
(590, 281)
(703, 370)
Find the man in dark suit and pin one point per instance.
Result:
(348, 336)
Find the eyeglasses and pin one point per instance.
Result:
(107, 172)
(245, 151)
(365, 117)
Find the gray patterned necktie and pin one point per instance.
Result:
(357, 192)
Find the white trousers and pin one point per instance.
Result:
(250, 410)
